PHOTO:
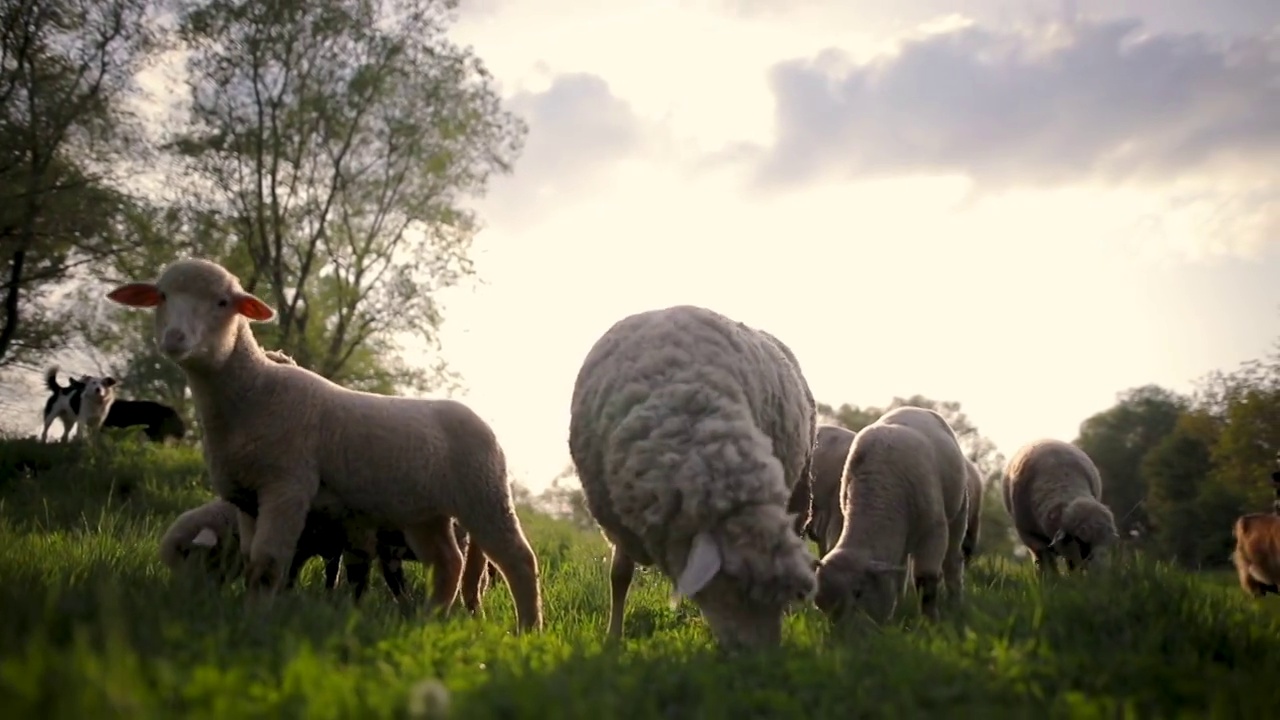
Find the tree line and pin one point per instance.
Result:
(326, 152)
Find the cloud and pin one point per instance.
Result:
(1092, 101)
(578, 131)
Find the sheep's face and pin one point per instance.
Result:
(743, 590)
(849, 583)
(198, 305)
(735, 620)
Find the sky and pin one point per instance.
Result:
(1023, 206)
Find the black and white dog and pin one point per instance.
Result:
(84, 403)
(159, 421)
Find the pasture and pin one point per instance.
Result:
(92, 626)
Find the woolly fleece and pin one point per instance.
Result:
(903, 497)
(1053, 492)
(689, 432)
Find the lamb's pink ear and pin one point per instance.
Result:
(702, 565)
(253, 308)
(136, 295)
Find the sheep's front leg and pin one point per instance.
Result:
(282, 515)
(247, 524)
(621, 570)
(953, 563)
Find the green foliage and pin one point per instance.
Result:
(94, 626)
(1119, 438)
(68, 71)
(336, 141)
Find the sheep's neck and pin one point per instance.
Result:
(221, 392)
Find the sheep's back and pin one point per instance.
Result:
(652, 376)
(394, 458)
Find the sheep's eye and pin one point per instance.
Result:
(223, 303)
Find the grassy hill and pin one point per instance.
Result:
(92, 626)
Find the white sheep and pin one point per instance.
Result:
(689, 432)
(973, 485)
(826, 519)
(903, 498)
(280, 441)
(1053, 492)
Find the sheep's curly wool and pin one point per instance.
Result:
(1053, 491)
(687, 422)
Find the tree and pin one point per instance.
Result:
(336, 140)
(1178, 475)
(68, 68)
(1118, 439)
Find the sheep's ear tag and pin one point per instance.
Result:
(702, 565)
(1056, 542)
(205, 538)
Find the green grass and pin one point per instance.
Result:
(91, 625)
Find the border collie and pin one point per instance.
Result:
(159, 421)
(85, 402)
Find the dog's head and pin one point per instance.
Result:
(101, 389)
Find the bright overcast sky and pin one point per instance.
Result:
(1026, 208)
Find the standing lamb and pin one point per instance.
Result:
(973, 485)
(1052, 491)
(903, 497)
(827, 519)
(280, 441)
(390, 548)
(689, 432)
(1257, 553)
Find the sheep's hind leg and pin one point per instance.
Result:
(433, 543)
(473, 575)
(621, 570)
(281, 519)
(495, 532)
(953, 563)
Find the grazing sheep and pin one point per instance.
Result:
(1052, 491)
(827, 520)
(1257, 553)
(973, 480)
(280, 441)
(903, 497)
(689, 432)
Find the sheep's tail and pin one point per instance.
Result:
(51, 379)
